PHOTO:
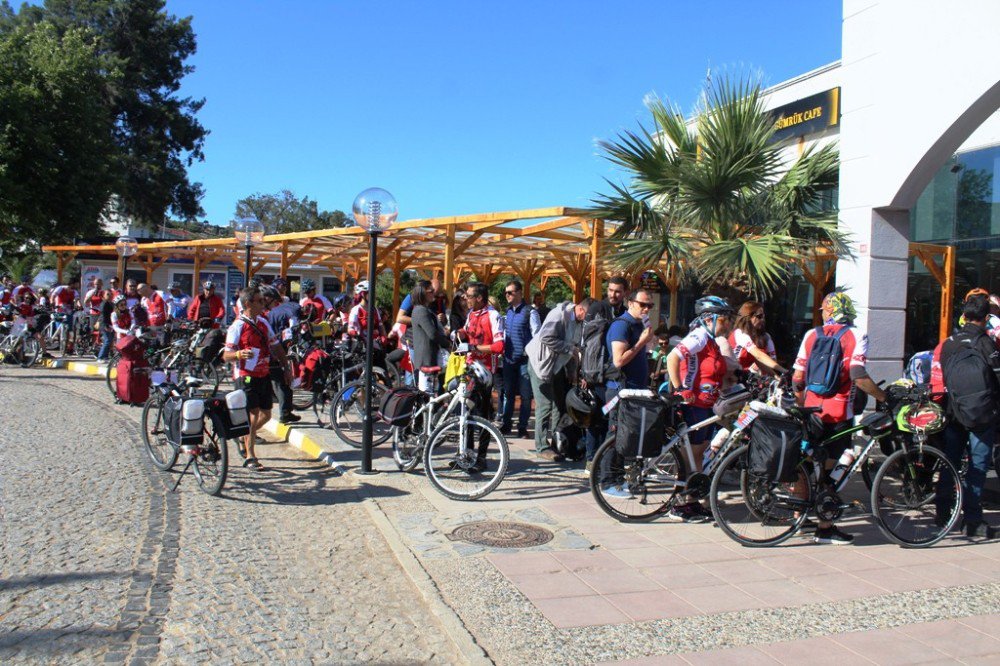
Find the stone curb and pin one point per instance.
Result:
(450, 621)
(303, 442)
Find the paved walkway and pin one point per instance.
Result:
(604, 591)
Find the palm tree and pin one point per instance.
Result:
(711, 192)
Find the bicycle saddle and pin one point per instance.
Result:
(430, 369)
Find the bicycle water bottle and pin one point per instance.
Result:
(847, 459)
(717, 441)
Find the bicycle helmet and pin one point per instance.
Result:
(713, 305)
(362, 288)
(978, 291)
(482, 376)
(120, 298)
(270, 293)
(581, 404)
(208, 284)
(308, 285)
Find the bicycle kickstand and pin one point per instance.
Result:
(183, 472)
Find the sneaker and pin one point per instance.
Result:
(619, 492)
(981, 530)
(698, 509)
(682, 513)
(290, 418)
(505, 430)
(833, 536)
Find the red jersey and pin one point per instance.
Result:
(20, 291)
(743, 345)
(256, 336)
(938, 389)
(484, 327)
(211, 308)
(702, 368)
(63, 298)
(92, 301)
(26, 310)
(318, 306)
(156, 309)
(854, 344)
(121, 322)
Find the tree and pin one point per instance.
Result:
(712, 191)
(284, 213)
(154, 130)
(56, 149)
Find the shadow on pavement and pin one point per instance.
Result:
(44, 580)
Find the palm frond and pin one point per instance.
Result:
(759, 263)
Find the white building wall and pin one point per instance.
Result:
(917, 77)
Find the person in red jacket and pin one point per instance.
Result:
(207, 305)
(156, 309)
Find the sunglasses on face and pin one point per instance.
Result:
(510, 293)
(643, 304)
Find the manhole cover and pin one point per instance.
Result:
(501, 534)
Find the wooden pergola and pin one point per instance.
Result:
(534, 244)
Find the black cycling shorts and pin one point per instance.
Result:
(258, 390)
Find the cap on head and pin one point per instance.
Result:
(208, 284)
(841, 307)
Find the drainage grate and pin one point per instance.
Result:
(501, 534)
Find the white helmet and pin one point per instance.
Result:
(361, 287)
(482, 375)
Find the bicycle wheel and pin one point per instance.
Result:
(466, 461)
(161, 452)
(905, 499)
(627, 491)
(211, 465)
(754, 511)
(406, 448)
(207, 373)
(347, 411)
(111, 378)
(302, 398)
(30, 351)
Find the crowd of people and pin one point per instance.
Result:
(560, 364)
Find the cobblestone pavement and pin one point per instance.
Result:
(100, 562)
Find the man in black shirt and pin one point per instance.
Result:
(284, 317)
(977, 441)
(610, 309)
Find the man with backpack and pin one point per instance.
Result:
(829, 369)
(970, 366)
(596, 368)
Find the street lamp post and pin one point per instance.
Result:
(374, 211)
(125, 246)
(248, 232)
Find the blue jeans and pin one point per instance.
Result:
(516, 382)
(108, 337)
(979, 444)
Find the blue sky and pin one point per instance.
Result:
(461, 107)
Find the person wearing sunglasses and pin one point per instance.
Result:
(752, 347)
(627, 339)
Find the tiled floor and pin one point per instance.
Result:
(969, 640)
(649, 571)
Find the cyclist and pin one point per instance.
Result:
(122, 322)
(284, 317)
(698, 367)
(132, 296)
(313, 305)
(156, 309)
(836, 412)
(752, 347)
(177, 302)
(113, 286)
(21, 290)
(66, 300)
(207, 305)
(250, 342)
(357, 321)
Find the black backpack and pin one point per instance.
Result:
(595, 366)
(775, 448)
(971, 383)
(825, 363)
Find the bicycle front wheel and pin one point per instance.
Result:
(627, 491)
(211, 465)
(754, 511)
(466, 461)
(161, 452)
(347, 414)
(30, 351)
(111, 377)
(916, 497)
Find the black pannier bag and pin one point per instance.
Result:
(183, 420)
(399, 404)
(229, 414)
(775, 448)
(210, 347)
(642, 427)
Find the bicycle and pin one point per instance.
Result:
(210, 458)
(757, 512)
(465, 457)
(638, 489)
(18, 344)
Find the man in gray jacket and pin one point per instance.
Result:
(552, 357)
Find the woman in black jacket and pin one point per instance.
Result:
(429, 338)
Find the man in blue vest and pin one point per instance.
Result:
(520, 324)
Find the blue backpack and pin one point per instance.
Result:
(825, 362)
(919, 368)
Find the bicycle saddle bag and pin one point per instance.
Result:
(235, 417)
